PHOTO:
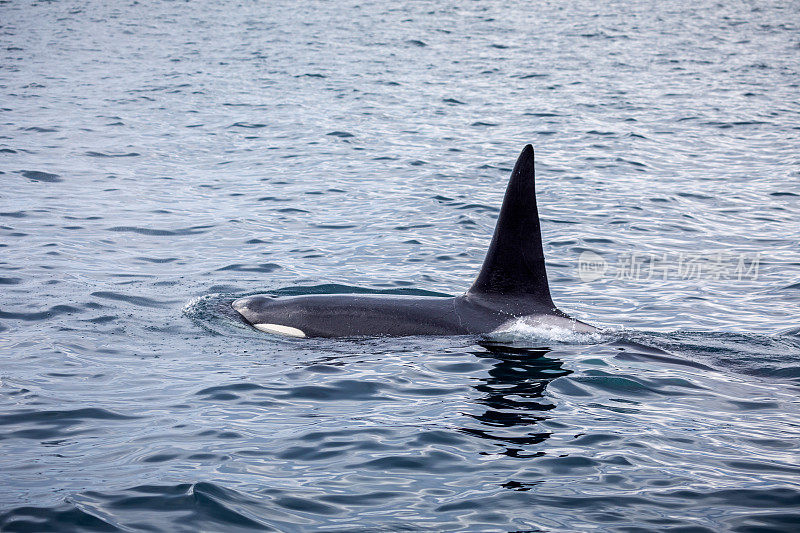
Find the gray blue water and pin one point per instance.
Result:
(161, 158)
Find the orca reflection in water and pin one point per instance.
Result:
(512, 284)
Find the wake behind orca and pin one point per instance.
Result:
(512, 284)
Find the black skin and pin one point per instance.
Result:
(511, 284)
(350, 315)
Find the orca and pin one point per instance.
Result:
(512, 284)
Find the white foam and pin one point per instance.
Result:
(278, 329)
(548, 328)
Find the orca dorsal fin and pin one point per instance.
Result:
(514, 265)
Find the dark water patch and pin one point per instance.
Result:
(160, 457)
(630, 162)
(458, 368)
(334, 226)
(306, 506)
(91, 217)
(342, 390)
(773, 357)
(637, 355)
(542, 114)
(453, 101)
(52, 424)
(140, 301)
(726, 125)
(194, 506)
(14, 214)
(39, 129)
(157, 260)
(429, 461)
(248, 125)
(194, 230)
(341, 134)
(228, 392)
(757, 467)
(531, 76)
(766, 522)
(625, 386)
(105, 319)
(745, 405)
(323, 369)
(480, 208)
(695, 196)
(413, 226)
(37, 175)
(53, 312)
(111, 154)
(416, 42)
(480, 124)
(783, 194)
(365, 499)
(273, 199)
(263, 267)
(10, 281)
(60, 517)
(767, 498)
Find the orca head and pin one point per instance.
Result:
(252, 308)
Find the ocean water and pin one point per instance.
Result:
(159, 159)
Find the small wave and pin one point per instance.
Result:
(194, 230)
(262, 267)
(108, 154)
(248, 125)
(141, 301)
(38, 175)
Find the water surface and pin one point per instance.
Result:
(160, 159)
